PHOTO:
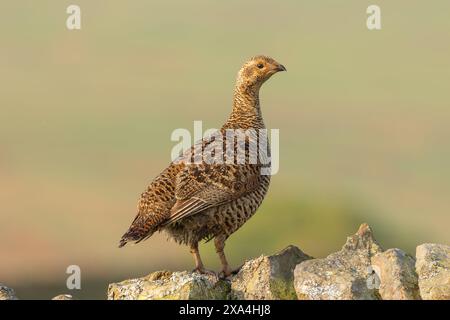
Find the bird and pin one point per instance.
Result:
(194, 201)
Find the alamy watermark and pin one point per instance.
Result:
(73, 21)
(374, 19)
(74, 279)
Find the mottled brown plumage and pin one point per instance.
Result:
(204, 200)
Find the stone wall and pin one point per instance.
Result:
(361, 270)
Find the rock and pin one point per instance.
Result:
(7, 293)
(343, 275)
(268, 277)
(433, 269)
(397, 275)
(360, 270)
(63, 297)
(166, 285)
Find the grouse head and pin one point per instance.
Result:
(256, 71)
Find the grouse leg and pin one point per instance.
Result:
(219, 242)
(198, 260)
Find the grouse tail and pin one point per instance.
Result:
(141, 229)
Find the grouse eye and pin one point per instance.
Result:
(260, 65)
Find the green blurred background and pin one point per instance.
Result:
(86, 118)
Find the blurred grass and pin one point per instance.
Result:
(86, 118)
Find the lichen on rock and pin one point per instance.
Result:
(268, 277)
(63, 297)
(167, 285)
(397, 274)
(342, 275)
(433, 269)
(7, 293)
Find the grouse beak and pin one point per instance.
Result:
(280, 67)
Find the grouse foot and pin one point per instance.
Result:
(225, 274)
(204, 271)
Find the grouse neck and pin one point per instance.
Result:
(246, 111)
